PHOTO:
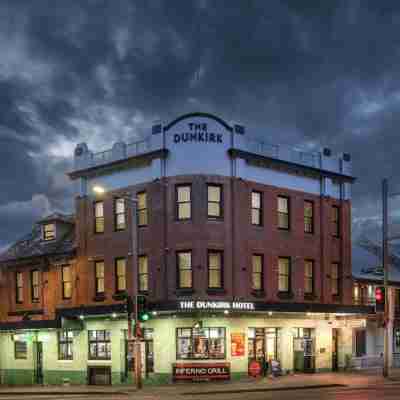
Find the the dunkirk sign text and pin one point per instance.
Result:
(216, 305)
(198, 133)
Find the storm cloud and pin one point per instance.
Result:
(313, 74)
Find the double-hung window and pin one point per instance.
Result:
(99, 275)
(335, 279)
(283, 213)
(335, 221)
(66, 281)
(98, 217)
(256, 208)
(308, 216)
(49, 232)
(185, 273)
(35, 286)
(257, 272)
(183, 202)
(214, 201)
(19, 292)
(142, 212)
(308, 276)
(284, 274)
(215, 269)
(120, 272)
(99, 345)
(143, 274)
(65, 344)
(120, 214)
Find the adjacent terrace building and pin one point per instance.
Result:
(242, 248)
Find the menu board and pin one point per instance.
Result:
(237, 344)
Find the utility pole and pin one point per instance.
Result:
(386, 275)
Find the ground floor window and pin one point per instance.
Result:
(396, 340)
(200, 343)
(263, 343)
(99, 345)
(20, 350)
(65, 342)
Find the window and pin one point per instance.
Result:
(308, 277)
(184, 259)
(257, 272)
(65, 342)
(142, 209)
(356, 293)
(19, 295)
(20, 350)
(66, 281)
(184, 202)
(120, 214)
(396, 340)
(283, 213)
(99, 345)
(143, 274)
(256, 208)
(99, 217)
(360, 345)
(335, 279)
(35, 285)
(99, 271)
(49, 232)
(264, 342)
(335, 221)
(371, 295)
(284, 274)
(120, 274)
(214, 201)
(215, 270)
(308, 217)
(200, 343)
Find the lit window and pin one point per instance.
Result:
(215, 279)
(120, 214)
(184, 202)
(99, 345)
(19, 295)
(143, 274)
(308, 276)
(335, 279)
(66, 280)
(308, 217)
(99, 217)
(257, 272)
(35, 285)
(65, 343)
(142, 209)
(214, 202)
(256, 208)
(283, 213)
(184, 259)
(99, 270)
(20, 350)
(284, 274)
(120, 270)
(49, 231)
(356, 293)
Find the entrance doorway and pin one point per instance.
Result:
(304, 350)
(99, 375)
(39, 363)
(335, 349)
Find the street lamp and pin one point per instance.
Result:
(100, 190)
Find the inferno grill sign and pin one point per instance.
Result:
(201, 371)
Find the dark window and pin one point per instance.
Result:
(99, 275)
(35, 287)
(66, 281)
(360, 342)
(19, 284)
(214, 201)
(120, 274)
(308, 276)
(335, 221)
(283, 213)
(120, 214)
(200, 343)
(49, 231)
(65, 343)
(20, 350)
(184, 261)
(256, 208)
(215, 269)
(98, 217)
(335, 279)
(142, 214)
(184, 202)
(99, 345)
(257, 280)
(284, 274)
(143, 274)
(308, 217)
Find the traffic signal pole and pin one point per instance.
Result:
(386, 276)
(138, 352)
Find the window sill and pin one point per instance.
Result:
(283, 229)
(99, 297)
(184, 292)
(285, 295)
(258, 293)
(216, 291)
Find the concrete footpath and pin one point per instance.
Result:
(290, 382)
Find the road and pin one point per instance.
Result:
(387, 392)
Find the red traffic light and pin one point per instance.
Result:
(378, 294)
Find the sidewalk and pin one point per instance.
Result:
(296, 381)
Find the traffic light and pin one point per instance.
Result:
(380, 299)
(142, 311)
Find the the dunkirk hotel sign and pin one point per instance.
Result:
(198, 133)
(216, 305)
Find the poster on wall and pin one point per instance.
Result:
(237, 344)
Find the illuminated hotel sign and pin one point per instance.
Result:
(198, 133)
(216, 305)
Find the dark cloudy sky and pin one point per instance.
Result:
(310, 73)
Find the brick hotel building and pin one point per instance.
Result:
(242, 248)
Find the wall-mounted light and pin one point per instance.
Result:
(81, 317)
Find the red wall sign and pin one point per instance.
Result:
(255, 368)
(197, 371)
